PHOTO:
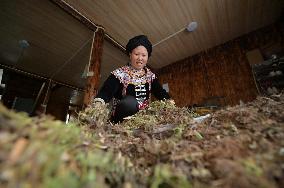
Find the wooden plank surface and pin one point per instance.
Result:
(223, 71)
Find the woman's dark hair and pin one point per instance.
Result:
(140, 40)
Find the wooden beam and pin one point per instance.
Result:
(37, 99)
(94, 67)
(87, 22)
(76, 14)
(34, 75)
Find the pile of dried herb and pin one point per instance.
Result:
(42, 152)
(95, 115)
(240, 146)
(159, 113)
(162, 146)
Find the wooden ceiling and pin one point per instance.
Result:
(60, 44)
(218, 21)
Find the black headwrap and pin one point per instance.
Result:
(140, 40)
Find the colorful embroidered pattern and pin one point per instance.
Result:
(128, 75)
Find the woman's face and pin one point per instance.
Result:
(139, 57)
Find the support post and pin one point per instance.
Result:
(93, 74)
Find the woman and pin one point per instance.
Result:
(131, 85)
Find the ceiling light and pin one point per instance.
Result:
(24, 44)
(190, 28)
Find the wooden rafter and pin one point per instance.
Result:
(87, 22)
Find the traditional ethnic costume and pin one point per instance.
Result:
(129, 88)
(125, 84)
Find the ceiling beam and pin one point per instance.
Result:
(87, 22)
(11, 68)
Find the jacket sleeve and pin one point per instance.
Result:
(158, 91)
(109, 88)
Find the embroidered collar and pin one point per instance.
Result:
(136, 74)
(128, 75)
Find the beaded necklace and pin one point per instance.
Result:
(136, 74)
(128, 75)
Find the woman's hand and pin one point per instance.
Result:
(97, 102)
(172, 101)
